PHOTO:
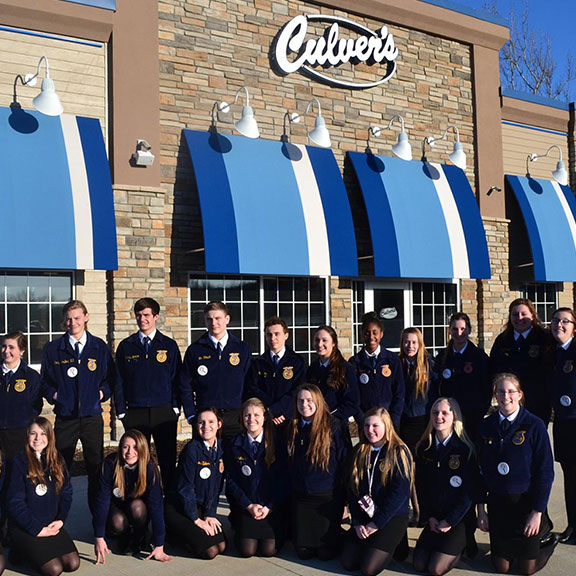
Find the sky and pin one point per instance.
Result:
(556, 18)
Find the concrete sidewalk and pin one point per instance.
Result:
(79, 526)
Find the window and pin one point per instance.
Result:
(301, 302)
(32, 304)
(425, 305)
(544, 296)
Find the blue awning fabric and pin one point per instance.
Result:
(549, 211)
(272, 207)
(106, 4)
(424, 220)
(57, 206)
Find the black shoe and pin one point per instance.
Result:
(546, 538)
(566, 535)
(550, 543)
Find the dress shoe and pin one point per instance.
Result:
(547, 538)
(568, 535)
(550, 543)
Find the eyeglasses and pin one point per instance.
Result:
(503, 393)
(563, 321)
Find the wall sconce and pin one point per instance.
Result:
(319, 135)
(560, 174)
(143, 156)
(247, 125)
(47, 102)
(402, 148)
(457, 156)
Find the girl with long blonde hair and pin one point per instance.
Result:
(379, 486)
(130, 496)
(317, 448)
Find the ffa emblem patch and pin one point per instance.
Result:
(20, 385)
(519, 437)
(534, 351)
(386, 370)
(234, 358)
(468, 368)
(91, 364)
(161, 356)
(568, 366)
(454, 462)
(288, 372)
(221, 466)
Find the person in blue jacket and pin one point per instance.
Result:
(334, 376)
(256, 485)
(146, 393)
(517, 470)
(276, 374)
(378, 495)
(461, 371)
(378, 372)
(77, 375)
(417, 367)
(20, 395)
(447, 486)
(38, 500)
(130, 496)
(317, 450)
(215, 370)
(561, 384)
(191, 504)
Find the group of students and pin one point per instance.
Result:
(279, 433)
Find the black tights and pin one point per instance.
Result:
(67, 563)
(248, 547)
(213, 551)
(435, 563)
(370, 561)
(135, 516)
(525, 567)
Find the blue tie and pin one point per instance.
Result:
(77, 349)
(146, 344)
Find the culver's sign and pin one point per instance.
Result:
(294, 50)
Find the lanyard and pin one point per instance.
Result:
(371, 473)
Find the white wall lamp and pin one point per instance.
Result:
(560, 174)
(47, 102)
(143, 156)
(402, 148)
(457, 156)
(319, 135)
(247, 125)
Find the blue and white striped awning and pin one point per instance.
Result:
(270, 207)
(424, 220)
(549, 211)
(57, 203)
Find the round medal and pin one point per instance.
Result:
(455, 481)
(202, 370)
(246, 470)
(503, 468)
(364, 378)
(72, 372)
(41, 489)
(205, 473)
(446, 373)
(116, 492)
(565, 400)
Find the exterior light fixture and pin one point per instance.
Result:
(143, 156)
(319, 135)
(560, 174)
(402, 148)
(247, 125)
(457, 156)
(47, 102)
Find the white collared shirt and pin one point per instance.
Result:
(5, 369)
(279, 354)
(223, 341)
(374, 354)
(524, 334)
(444, 443)
(460, 351)
(151, 336)
(258, 438)
(82, 341)
(566, 345)
(510, 418)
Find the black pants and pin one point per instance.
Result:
(12, 440)
(90, 431)
(160, 423)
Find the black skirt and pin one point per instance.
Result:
(564, 432)
(411, 430)
(38, 550)
(317, 520)
(273, 527)
(182, 531)
(507, 515)
(452, 542)
(386, 538)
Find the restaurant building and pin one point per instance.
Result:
(276, 224)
